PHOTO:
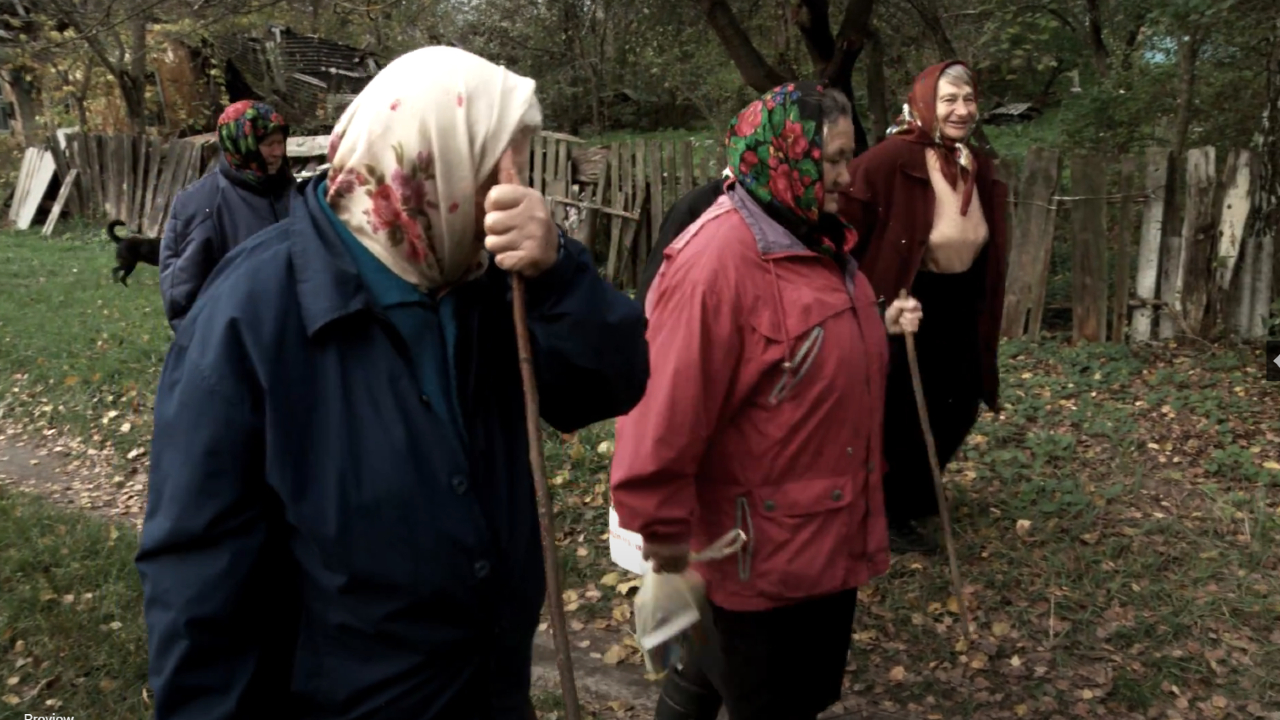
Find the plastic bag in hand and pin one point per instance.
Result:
(668, 605)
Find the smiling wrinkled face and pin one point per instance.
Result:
(957, 109)
(837, 151)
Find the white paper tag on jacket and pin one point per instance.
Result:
(626, 548)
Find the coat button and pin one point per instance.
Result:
(482, 569)
(871, 467)
(769, 506)
(849, 450)
(425, 400)
(459, 483)
(836, 495)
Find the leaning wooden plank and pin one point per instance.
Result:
(1033, 240)
(195, 164)
(79, 202)
(1170, 252)
(307, 146)
(687, 180)
(1190, 293)
(1124, 243)
(648, 242)
(155, 159)
(111, 175)
(1041, 285)
(24, 182)
(1158, 166)
(1232, 280)
(136, 210)
(57, 146)
(1089, 248)
(1264, 239)
(88, 208)
(68, 187)
(158, 211)
(670, 166)
(40, 179)
(538, 162)
(615, 198)
(126, 158)
(93, 146)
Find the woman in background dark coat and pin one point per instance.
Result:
(250, 191)
(931, 217)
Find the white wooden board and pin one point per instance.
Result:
(45, 169)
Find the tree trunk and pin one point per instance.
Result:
(1093, 28)
(133, 90)
(877, 96)
(24, 103)
(1268, 193)
(1188, 52)
(755, 70)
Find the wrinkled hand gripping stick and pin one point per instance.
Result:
(546, 513)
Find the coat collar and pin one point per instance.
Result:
(326, 279)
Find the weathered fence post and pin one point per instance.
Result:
(1233, 291)
(1189, 295)
(1089, 247)
(1032, 244)
(1158, 166)
(1124, 241)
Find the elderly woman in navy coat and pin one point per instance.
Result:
(341, 519)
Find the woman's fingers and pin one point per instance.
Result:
(903, 315)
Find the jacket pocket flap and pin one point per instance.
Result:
(804, 311)
(804, 497)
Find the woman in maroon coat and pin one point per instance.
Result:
(931, 217)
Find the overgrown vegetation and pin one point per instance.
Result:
(1117, 527)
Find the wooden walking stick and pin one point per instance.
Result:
(546, 513)
(957, 585)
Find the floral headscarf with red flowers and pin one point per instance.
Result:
(241, 127)
(411, 151)
(774, 150)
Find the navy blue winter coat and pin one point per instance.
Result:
(320, 542)
(210, 217)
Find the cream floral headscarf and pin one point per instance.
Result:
(409, 153)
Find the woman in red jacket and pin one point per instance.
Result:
(764, 409)
(931, 216)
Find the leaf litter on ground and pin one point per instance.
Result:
(1115, 523)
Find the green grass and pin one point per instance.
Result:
(1117, 525)
(80, 353)
(71, 630)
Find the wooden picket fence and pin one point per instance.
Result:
(1195, 269)
(1202, 276)
(1199, 270)
(619, 193)
(135, 178)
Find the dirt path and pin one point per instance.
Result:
(77, 478)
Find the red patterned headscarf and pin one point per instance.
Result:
(919, 124)
(241, 128)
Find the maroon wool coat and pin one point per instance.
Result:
(890, 203)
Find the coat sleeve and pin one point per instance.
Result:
(590, 355)
(695, 344)
(204, 557)
(187, 256)
(859, 201)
